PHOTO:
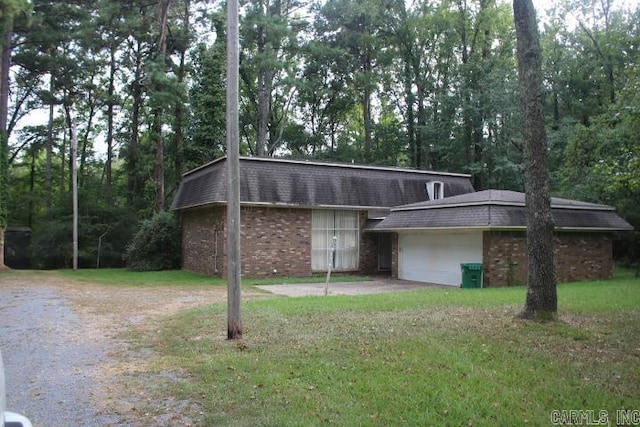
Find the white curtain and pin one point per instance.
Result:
(344, 226)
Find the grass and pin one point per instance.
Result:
(429, 357)
(122, 277)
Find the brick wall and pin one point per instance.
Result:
(271, 239)
(275, 238)
(578, 256)
(584, 256)
(504, 258)
(203, 240)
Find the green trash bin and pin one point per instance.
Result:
(471, 275)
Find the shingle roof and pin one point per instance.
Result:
(299, 183)
(497, 197)
(498, 209)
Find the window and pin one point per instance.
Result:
(343, 225)
(435, 189)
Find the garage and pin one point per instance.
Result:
(489, 228)
(436, 257)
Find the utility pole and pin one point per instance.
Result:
(234, 320)
(74, 179)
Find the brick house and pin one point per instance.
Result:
(414, 225)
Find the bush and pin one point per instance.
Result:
(156, 245)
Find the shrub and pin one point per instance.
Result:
(156, 245)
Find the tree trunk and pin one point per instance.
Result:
(421, 135)
(82, 152)
(32, 186)
(5, 65)
(110, 112)
(263, 113)
(133, 152)
(157, 114)
(410, 101)
(178, 127)
(366, 108)
(3, 266)
(159, 162)
(265, 81)
(541, 301)
(48, 171)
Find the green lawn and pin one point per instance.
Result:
(430, 357)
(122, 277)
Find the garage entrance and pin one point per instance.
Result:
(436, 257)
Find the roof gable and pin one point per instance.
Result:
(299, 183)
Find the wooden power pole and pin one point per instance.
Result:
(74, 179)
(234, 320)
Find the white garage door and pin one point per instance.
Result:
(436, 258)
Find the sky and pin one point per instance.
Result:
(541, 6)
(544, 5)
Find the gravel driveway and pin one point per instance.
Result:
(50, 366)
(67, 359)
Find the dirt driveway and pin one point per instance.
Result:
(68, 352)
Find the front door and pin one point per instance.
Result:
(384, 251)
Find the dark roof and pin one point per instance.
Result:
(498, 209)
(497, 197)
(299, 183)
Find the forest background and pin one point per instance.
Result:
(424, 84)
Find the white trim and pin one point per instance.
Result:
(441, 229)
(338, 165)
(487, 228)
(435, 190)
(285, 205)
(497, 203)
(595, 229)
(354, 166)
(200, 205)
(204, 166)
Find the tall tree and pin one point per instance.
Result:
(111, 34)
(268, 71)
(159, 77)
(353, 31)
(542, 300)
(207, 127)
(182, 43)
(324, 98)
(53, 48)
(132, 148)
